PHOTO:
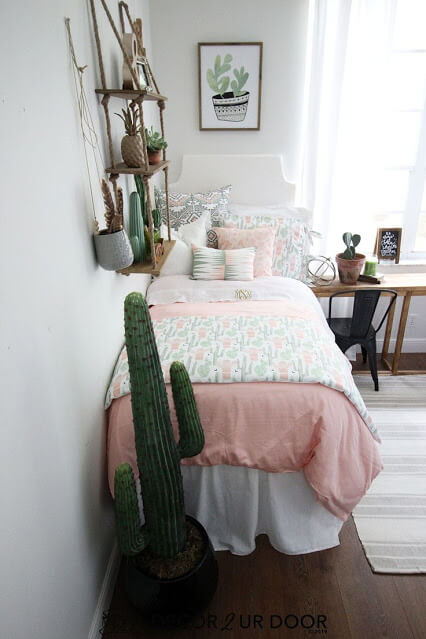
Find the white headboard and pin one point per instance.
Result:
(255, 179)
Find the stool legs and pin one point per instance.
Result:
(372, 360)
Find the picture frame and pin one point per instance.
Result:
(388, 244)
(229, 85)
(144, 75)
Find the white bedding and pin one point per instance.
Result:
(182, 288)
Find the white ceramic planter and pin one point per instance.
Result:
(113, 250)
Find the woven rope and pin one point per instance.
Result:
(87, 127)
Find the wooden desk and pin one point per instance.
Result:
(406, 285)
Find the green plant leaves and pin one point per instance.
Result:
(212, 81)
(347, 237)
(216, 83)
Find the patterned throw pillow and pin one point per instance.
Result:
(261, 238)
(214, 264)
(291, 241)
(188, 207)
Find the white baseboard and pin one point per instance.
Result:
(410, 345)
(106, 592)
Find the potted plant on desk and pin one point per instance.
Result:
(350, 263)
(171, 569)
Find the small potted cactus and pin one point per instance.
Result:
(350, 263)
(171, 569)
(131, 144)
(112, 245)
(228, 105)
(155, 143)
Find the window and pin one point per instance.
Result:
(404, 177)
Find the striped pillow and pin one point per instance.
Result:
(214, 264)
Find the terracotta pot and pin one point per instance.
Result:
(350, 270)
(155, 157)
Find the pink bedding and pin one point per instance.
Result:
(273, 426)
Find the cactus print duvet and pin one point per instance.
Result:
(253, 341)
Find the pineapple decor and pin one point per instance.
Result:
(131, 144)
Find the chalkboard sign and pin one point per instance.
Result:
(388, 244)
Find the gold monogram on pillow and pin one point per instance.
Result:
(243, 294)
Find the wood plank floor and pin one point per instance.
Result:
(337, 584)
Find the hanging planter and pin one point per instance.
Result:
(112, 245)
(113, 250)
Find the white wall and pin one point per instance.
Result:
(280, 24)
(61, 329)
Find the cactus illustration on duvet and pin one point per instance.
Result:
(158, 454)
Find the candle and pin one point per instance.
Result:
(370, 267)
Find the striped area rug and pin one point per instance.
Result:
(391, 518)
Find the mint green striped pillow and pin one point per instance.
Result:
(214, 264)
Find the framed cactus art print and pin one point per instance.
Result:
(230, 79)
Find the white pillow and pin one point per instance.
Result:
(195, 232)
(180, 259)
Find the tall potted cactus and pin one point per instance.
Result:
(136, 227)
(171, 568)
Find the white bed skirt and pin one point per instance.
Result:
(236, 504)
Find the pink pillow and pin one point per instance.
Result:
(262, 238)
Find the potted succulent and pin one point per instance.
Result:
(350, 263)
(112, 245)
(131, 144)
(171, 569)
(155, 143)
(228, 105)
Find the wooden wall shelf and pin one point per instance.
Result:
(120, 167)
(147, 267)
(132, 94)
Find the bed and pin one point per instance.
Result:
(290, 448)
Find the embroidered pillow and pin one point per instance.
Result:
(261, 238)
(188, 207)
(214, 264)
(291, 241)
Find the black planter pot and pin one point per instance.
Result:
(174, 601)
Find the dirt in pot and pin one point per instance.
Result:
(177, 566)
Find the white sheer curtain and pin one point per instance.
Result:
(344, 129)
